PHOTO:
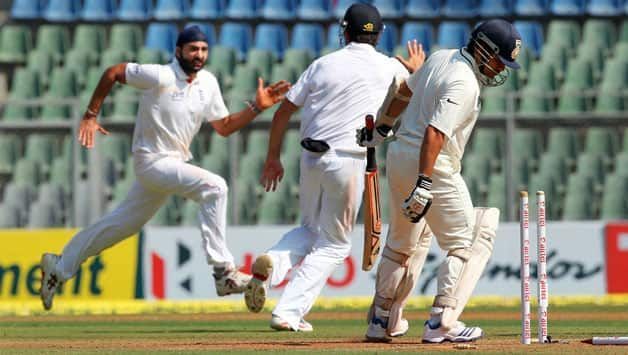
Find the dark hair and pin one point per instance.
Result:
(368, 38)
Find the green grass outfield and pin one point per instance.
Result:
(339, 328)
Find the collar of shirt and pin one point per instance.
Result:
(178, 71)
(360, 47)
(471, 62)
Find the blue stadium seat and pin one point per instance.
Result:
(207, 9)
(309, 37)
(531, 35)
(135, 10)
(26, 9)
(241, 9)
(567, 7)
(278, 9)
(421, 31)
(605, 7)
(342, 6)
(453, 34)
(98, 10)
(423, 8)
(62, 10)
(333, 40)
(495, 8)
(530, 7)
(388, 39)
(390, 9)
(161, 36)
(237, 36)
(170, 10)
(314, 10)
(272, 37)
(459, 8)
(207, 28)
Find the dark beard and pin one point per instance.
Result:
(187, 66)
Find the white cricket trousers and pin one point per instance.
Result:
(331, 188)
(157, 177)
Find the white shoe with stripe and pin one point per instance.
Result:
(278, 323)
(459, 334)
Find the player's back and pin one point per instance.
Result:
(339, 89)
(445, 75)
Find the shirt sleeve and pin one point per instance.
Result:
(413, 80)
(300, 90)
(216, 109)
(142, 76)
(453, 106)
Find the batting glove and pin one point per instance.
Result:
(419, 201)
(379, 134)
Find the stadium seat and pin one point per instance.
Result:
(333, 37)
(127, 37)
(244, 80)
(135, 10)
(98, 10)
(578, 198)
(496, 196)
(478, 168)
(272, 206)
(219, 145)
(161, 36)
(15, 43)
(272, 37)
(91, 39)
(624, 28)
(314, 10)
(54, 39)
(309, 37)
(530, 7)
(421, 31)
(241, 9)
(40, 62)
(262, 60)
(217, 164)
(541, 181)
(567, 7)
(488, 143)
(207, 28)
(189, 215)
(63, 85)
(599, 33)
(423, 9)
(453, 34)
(207, 9)
(114, 56)
(527, 144)
(554, 166)
(222, 60)
(341, 7)
(19, 195)
(25, 86)
(388, 39)
(152, 56)
(531, 35)
(602, 141)
(459, 8)
(62, 10)
(563, 142)
(52, 193)
(10, 216)
(27, 172)
(298, 59)
(615, 198)
(578, 80)
(564, 33)
(237, 36)
(41, 148)
(621, 162)
(557, 56)
(280, 10)
(604, 7)
(390, 9)
(26, 9)
(541, 82)
(609, 98)
(124, 107)
(495, 8)
(171, 10)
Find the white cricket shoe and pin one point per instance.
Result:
(460, 333)
(231, 281)
(378, 324)
(255, 293)
(278, 323)
(50, 281)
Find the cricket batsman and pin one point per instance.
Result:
(438, 107)
(176, 99)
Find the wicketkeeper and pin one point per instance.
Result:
(442, 100)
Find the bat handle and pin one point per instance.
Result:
(370, 126)
(371, 164)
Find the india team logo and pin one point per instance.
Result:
(516, 50)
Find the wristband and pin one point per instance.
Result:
(424, 182)
(90, 112)
(253, 106)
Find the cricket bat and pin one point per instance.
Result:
(372, 212)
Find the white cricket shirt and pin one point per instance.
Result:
(171, 110)
(338, 90)
(445, 95)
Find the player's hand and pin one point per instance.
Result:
(271, 174)
(419, 201)
(416, 56)
(87, 129)
(271, 94)
(361, 137)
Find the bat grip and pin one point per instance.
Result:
(371, 163)
(370, 126)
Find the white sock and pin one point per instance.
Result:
(435, 317)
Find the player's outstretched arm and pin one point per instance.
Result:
(273, 170)
(89, 126)
(264, 98)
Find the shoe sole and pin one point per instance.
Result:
(454, 340)
(255, 295)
